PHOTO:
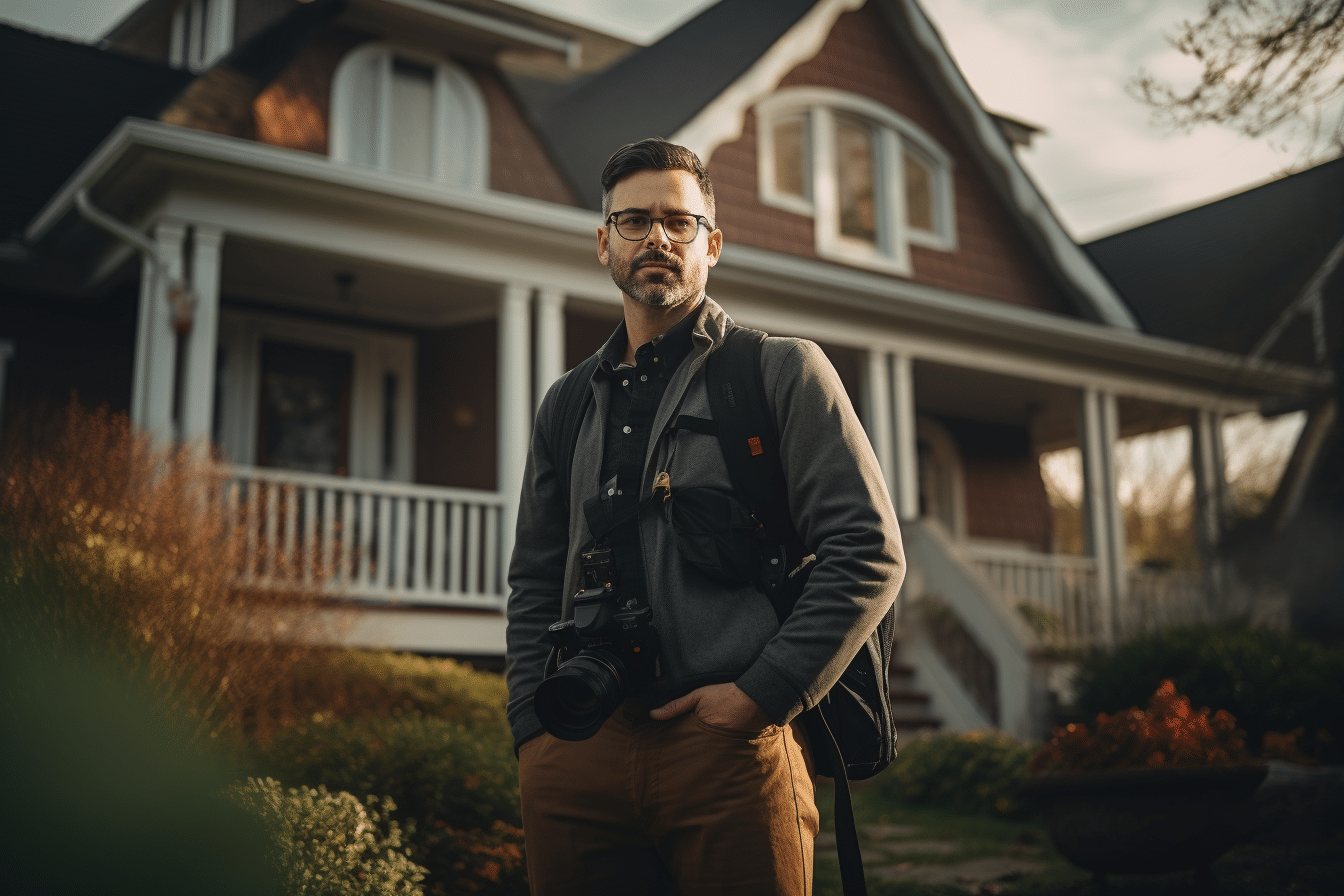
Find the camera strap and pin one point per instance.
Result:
(619, 530)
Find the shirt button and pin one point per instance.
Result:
(626, 430)
(644, 378)
(625, 382)
(610, 492)
(655, 360)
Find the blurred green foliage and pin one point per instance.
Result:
(430, 735)
(1270, 681)
(975, 772)
(331, 844)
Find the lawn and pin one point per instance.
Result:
(925, 851)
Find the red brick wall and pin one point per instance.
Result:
(295, 112)
(458, 408)
(1005, 495)
(861, 56)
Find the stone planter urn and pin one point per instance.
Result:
(1146, 820)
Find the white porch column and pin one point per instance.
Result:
(550, 341)
(877, 414)
(1209, 468)
(515, 406)
(1104, 522)
(906, 447)
(198, 386)
(156, 341)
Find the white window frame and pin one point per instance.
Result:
(375, 355)
(201, 34)
(460, 154)
(896, 134)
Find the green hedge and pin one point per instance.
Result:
(429, 734)
(1269, 680)
(329, 844)
(976, 772)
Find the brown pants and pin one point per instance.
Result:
(669, 807)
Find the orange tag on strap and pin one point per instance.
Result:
(755, 444)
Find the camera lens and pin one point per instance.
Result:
(579, 697)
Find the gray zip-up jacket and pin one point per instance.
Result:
(837, 499)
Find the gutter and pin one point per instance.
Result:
(180, 297)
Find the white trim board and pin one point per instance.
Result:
(722, 121)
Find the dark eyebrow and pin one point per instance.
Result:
(644, 211)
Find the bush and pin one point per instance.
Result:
(109, 543)
(976, 772)
(342, 684)
(1168, 734)
(1270, 681)
(458, 783)
(328, 844)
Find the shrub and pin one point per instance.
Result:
(458, 782)
(342, 684)
(1167, 734)
(109, 543)
(1271, 681)
(976, 772)
(329, 844)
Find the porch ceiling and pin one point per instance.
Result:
(1049, 410)
(300, 279)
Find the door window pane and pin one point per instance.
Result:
(856, 179)
(791, 157)
(411, 139)
(304, 408)
(918, 193)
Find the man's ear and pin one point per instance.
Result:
(715, 247)
(602, 255)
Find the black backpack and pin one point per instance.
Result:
(851, 729)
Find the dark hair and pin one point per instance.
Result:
(654, 154)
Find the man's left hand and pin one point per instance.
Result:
(722, 705)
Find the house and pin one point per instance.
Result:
(1258, 274)
(352, 243)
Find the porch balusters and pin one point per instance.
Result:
(370, 540)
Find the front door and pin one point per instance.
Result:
(304, 408)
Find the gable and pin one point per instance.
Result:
(985, 254)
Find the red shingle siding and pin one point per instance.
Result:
(861, 56)
(1005, 495)
(518, 162)
(295, 112)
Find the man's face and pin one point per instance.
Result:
(655, 270)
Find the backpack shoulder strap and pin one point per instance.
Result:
(567, 415)
(750, 443)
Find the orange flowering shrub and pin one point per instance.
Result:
(1169, 733)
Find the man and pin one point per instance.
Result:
(702, 783)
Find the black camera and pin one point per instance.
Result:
(608, 651)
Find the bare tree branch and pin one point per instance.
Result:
(1267, 64)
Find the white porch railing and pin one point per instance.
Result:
(1160, 598)
(367, 539)
(1056, 592)
(1058, 595)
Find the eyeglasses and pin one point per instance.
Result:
(679, 228)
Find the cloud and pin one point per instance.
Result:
(1065, 65)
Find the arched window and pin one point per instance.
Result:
(873, 181)
(409, 114)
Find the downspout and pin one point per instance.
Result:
(180, 297)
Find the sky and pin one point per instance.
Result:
(1062, 65)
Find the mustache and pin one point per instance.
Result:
(653, 256)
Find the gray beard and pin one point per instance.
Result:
(656, 295)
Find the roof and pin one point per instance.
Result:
(1220, 275)
(659, 88)
(73, 95)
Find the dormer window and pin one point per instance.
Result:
(408, 114)
(872, 181)
(202, 33)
